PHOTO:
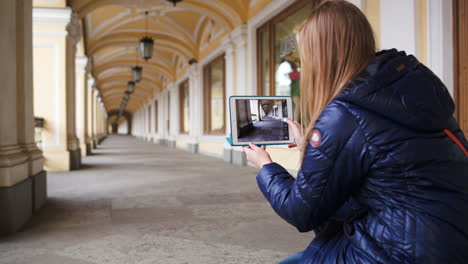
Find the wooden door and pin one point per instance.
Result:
(460, 29)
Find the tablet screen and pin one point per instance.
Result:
(260, 120)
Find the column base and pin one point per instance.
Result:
(192, 148)
(238, 157)
(227, 155)
(162, 142)
(171, 143)
(101, 139)
(83, 150)
(75, 159)
(39, 190)
(89, 147)
(16, 205)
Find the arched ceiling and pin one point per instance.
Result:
(113, 29)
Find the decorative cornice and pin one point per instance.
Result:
(194, 70)
(81, 62)
(51, 16)
(239, 35)
(89, 66)
(74, 29)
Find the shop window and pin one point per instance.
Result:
(184, 107)
(278, 57)
(214, 95)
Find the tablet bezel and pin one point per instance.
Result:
(233, 119)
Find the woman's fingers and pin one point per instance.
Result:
(290, 122)
(253, 146)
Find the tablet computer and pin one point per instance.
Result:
(260, 120)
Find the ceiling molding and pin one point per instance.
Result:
(51, 16)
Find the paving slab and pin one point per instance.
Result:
(139, 202)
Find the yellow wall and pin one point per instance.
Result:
(57, 3)
(181, 143)
(49, 96)
(422, 38)
(257, 7)
(372, 10)
(288, 158)
(213, 148)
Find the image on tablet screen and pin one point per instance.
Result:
(261, 120)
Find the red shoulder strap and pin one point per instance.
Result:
(456, 141)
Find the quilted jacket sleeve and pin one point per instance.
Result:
(329, 174)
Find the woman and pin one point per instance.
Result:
(384, 174)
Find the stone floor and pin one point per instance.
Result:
(136, 202)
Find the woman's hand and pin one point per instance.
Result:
(257, 155)
(298, 134)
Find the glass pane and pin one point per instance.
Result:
(217, 95)
(287, 62)
(264, 35)
(186, 117)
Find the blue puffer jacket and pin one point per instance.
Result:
(385, 185)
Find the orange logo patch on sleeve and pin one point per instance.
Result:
(316, 138)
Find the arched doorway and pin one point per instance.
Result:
(114, 123)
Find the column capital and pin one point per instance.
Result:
(74, 29)
(170, 86)
(194, 71)
(228, 45)
(81, 64)
(89, 65)
(239, 35)
(51, 16)
(91, 82)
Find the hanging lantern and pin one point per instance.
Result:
(131, 87)
(146, 43)
(146, 48)
(137, 72)
(174, 1)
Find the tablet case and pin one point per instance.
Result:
(229, 139)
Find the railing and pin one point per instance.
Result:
(38, 127)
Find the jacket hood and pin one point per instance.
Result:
(398, 87)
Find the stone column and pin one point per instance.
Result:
(172, 114)
(95, 116)
(52, 100)
(99, 120)
(26, 102)
(73, 143)
(146, 122)
(196, 107)
(154, 112)
(81, 102)
(230, 85)
(163, 115)
(239, 39)
(89, 113)
(20, 160)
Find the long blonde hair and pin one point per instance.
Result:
(336, 43)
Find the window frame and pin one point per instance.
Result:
(183, 85)
(270, 25)
(207, 95)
